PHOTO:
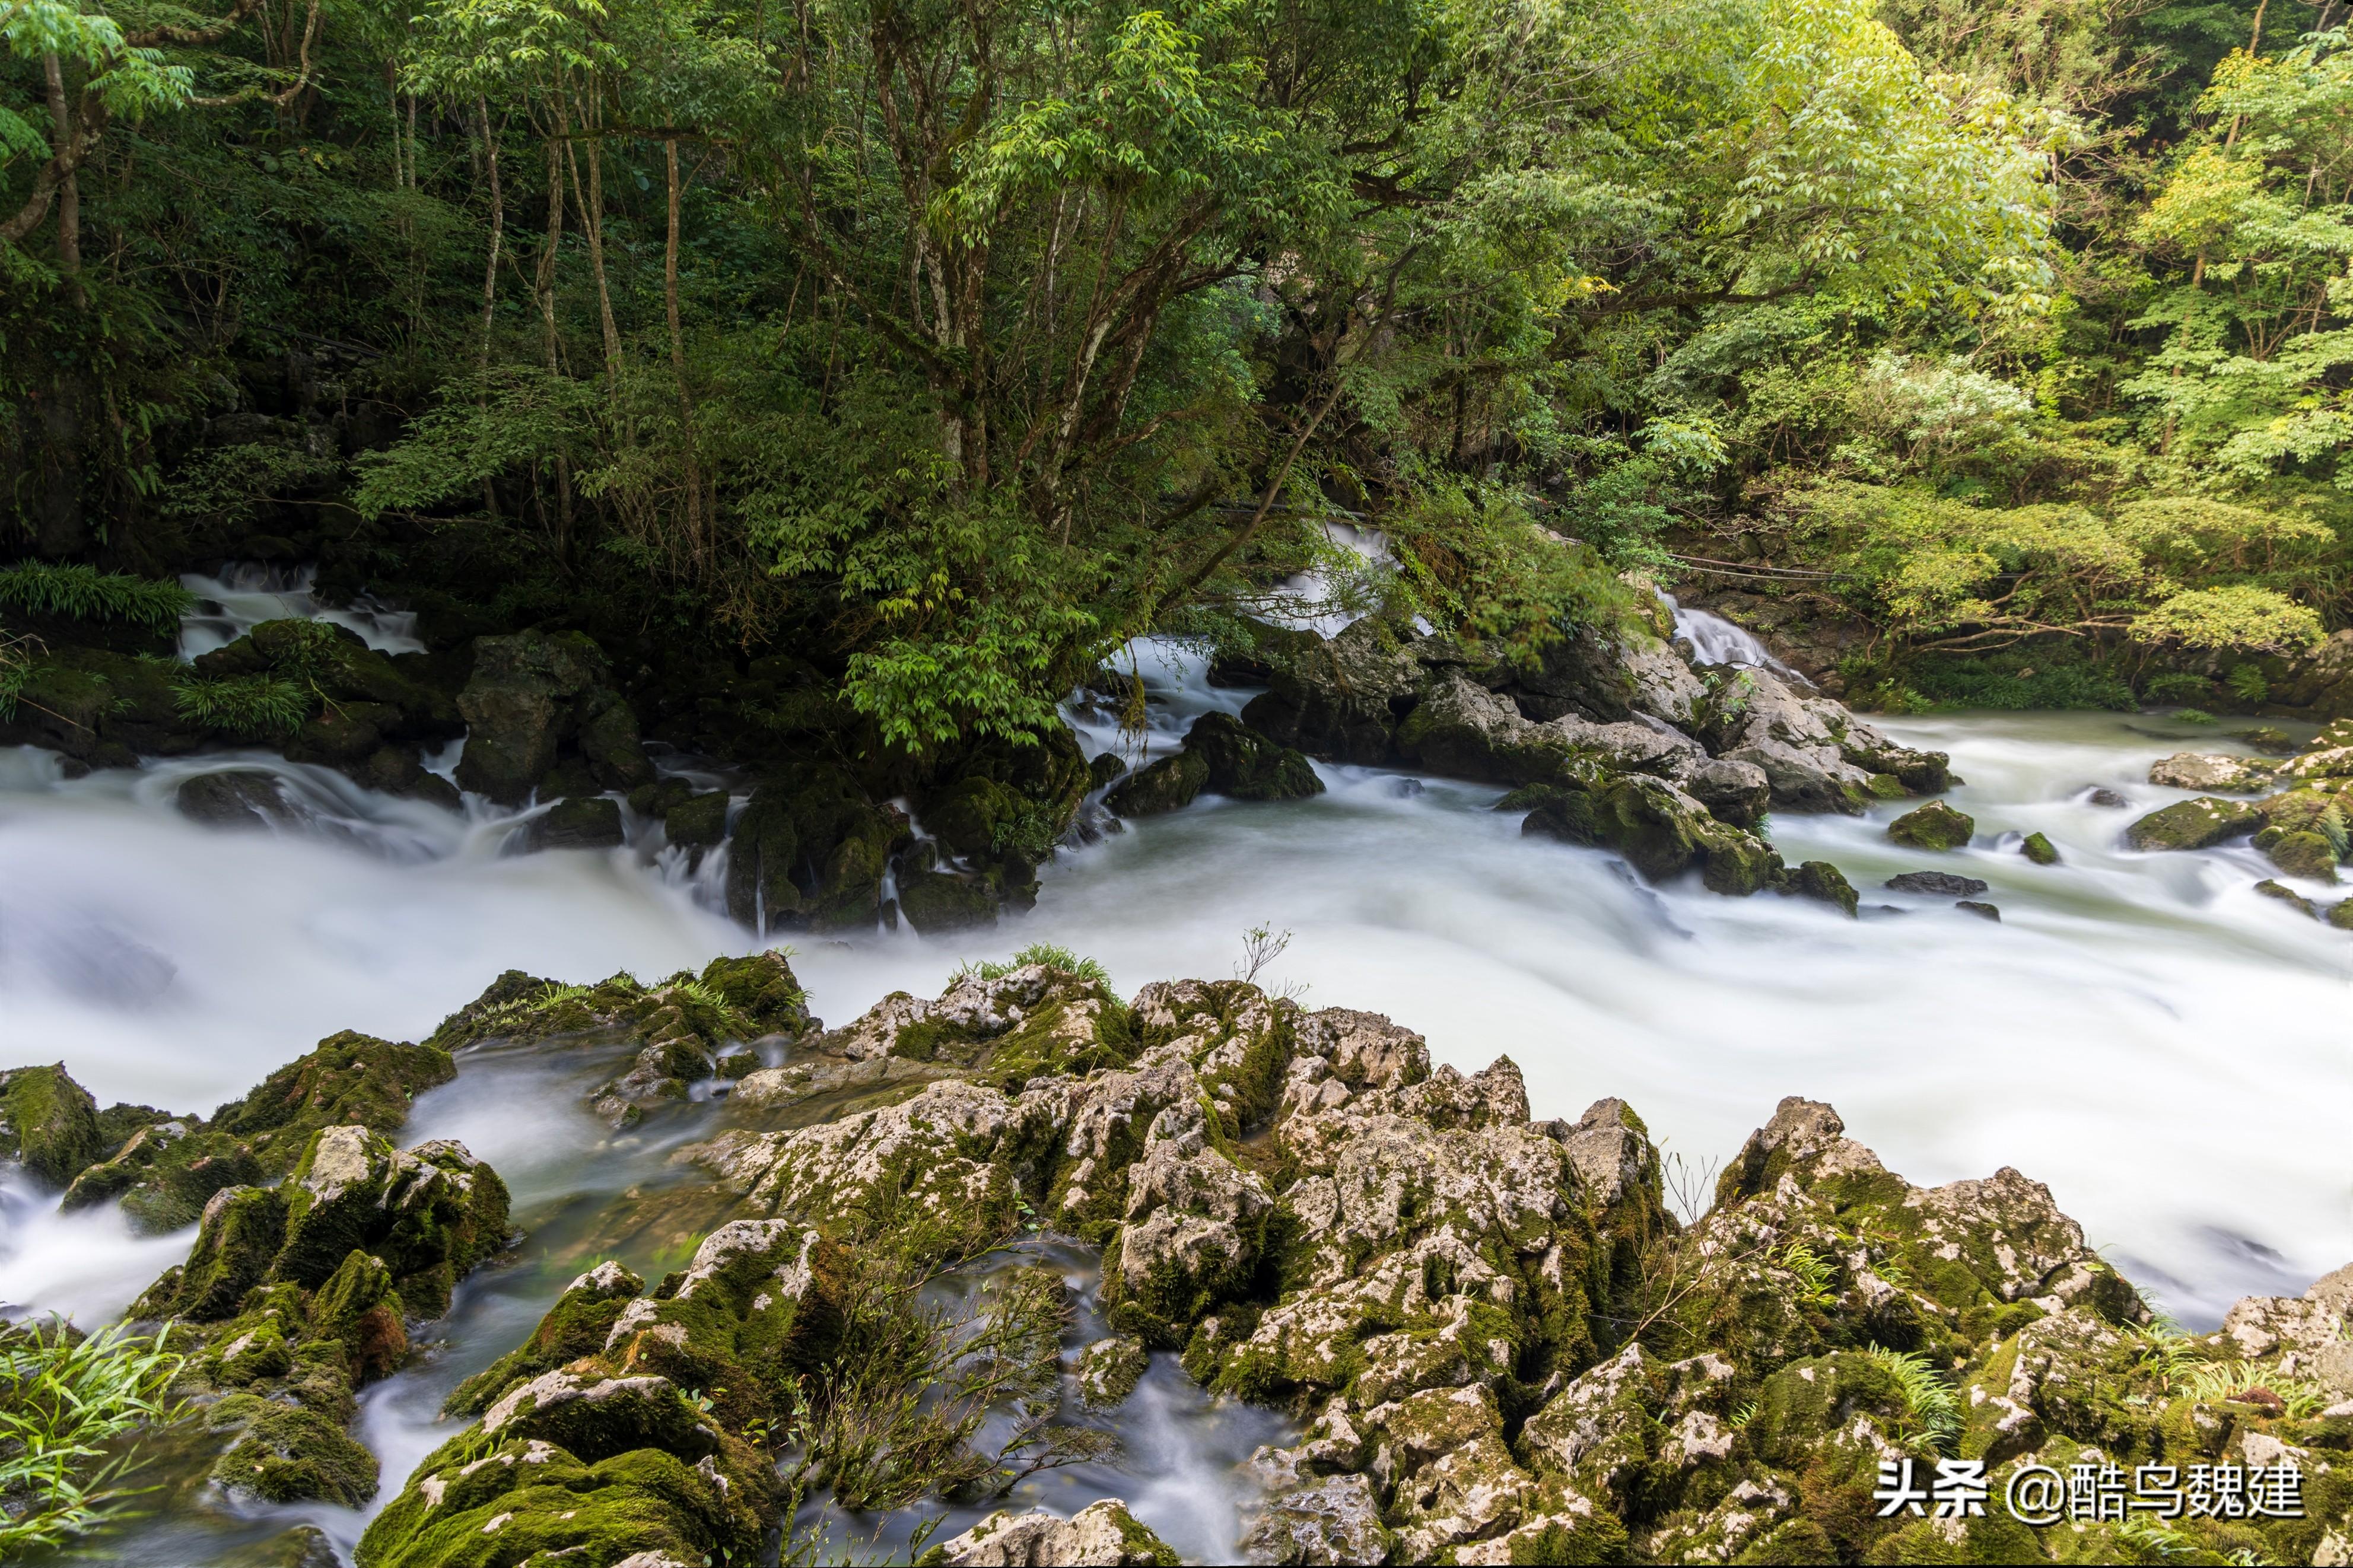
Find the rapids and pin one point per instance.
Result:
(2144, 1033)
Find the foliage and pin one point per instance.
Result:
(66, 1399)
(1926, 1394)
(1041, 952)
(253, 707)
(85, 594)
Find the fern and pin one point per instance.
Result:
(86, 594)
(16, 668)
(1926, 1394)
(250, 705)
(2212, 1383)
(1814, 1275)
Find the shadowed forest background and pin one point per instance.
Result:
(928, 352)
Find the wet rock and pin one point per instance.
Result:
(1110, 1369)
(2340, 914)
(2038, 850)
(1247, 765)
(1329, 1520)
(1341, 699)
(285, 1454)
(2288, 896)
(809, 853)
(1934, 826)
(1106, 767)
(2209, 772)
(2309, 856)
(242, 797)
(590, 823)
(1821, 880)
(1102, 1533)
(1984, 911)
(578, 1325)
(1938, 884)
(531, 698)
(1168, 785)
(2269, 741)
(2197, 824)
(50, 1122)
(1661, 831)
(698, 822)
(2100, 795)
(937, 902)
(1734, 792)
(166, 1171)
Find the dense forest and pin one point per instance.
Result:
(937, 349)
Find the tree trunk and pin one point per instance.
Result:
(498, 226)
(694, 531)
(595, 207)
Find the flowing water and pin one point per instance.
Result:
(2145, 1033)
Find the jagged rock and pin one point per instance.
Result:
(1102, 1533)
(1329, 1520)
(1939, 884)
(166, 1173)
(2207, 772)
(2197, 824)
(1341, 699)
(1934, 826)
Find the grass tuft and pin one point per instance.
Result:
(64, 1396)
(86, 594)
(1044, 952)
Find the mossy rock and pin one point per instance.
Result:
(287, 1454)
(577, 1325)
(50, 1122)
(1246, 765)
(592, 822)
(1168, 785)
(764, 989)
(1660, 831)
(1934, 826)
(2198, 824)
(2307, 856)
(2340, 914)
(244, 1229)
(2037, 848)
(359, 1306)
(937, 902)
(1821, 880)
(698, 822)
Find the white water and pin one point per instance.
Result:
(1715, 640)
(2159, 1044)
(248, 592)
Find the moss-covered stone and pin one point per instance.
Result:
(698, 822)
(2197, 824)
(50, 1122)
(285, 1454)
(1821, 880)
(1934, 826)
(577, 1325)
(1166, 785)
(2309, 856)
(937, 902)
(2037, 848)
(591, 822)
(1661, 831)
(1246, 765)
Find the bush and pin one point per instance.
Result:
(2015, 682)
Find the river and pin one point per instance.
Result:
(2161, 1045)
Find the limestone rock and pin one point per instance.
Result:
(1100, 1534)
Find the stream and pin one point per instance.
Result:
(2145, 1033)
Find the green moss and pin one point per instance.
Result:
(290, 1455)
(1934, 826)
(50, 1122)
(2037, 848)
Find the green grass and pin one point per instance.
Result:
(1815, 1276)
(86, 594)
(1045, 952)
(2214, 1381)
(243, 705)
(64, 1398)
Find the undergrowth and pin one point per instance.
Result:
(64, 1397)
(1926, 1394)
(86, 594)
(251, 706)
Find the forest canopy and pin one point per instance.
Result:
(951, 346)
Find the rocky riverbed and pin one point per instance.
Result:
(1501, 1339)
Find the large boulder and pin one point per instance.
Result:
(2197, 824)
(50, 1122)
(534, 697)
(1247, 765)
